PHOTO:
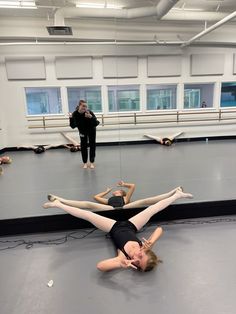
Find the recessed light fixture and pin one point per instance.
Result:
(19, 4)
(100, 5)
(187, 9)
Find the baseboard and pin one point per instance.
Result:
(68, 222)
(190, 139)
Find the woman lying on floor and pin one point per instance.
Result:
(74, 146)
(4, 160)
(119, 199)
(167, 141)
(132, 252)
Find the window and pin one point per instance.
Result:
(198, 95)
(42, 101)
(92, 95)
(228, 95)
(191, 98)
(123, 98)
(161, 97)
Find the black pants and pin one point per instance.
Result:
(88, 138)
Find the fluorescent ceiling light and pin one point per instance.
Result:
(98, 5)
(20, 4)
(185, 9)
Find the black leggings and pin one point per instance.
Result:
(85, 138)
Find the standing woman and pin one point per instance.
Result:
(86, 122)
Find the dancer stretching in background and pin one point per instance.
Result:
(4, 160)
(74, 146)
(119, 199)
(132, 252)
(39, 149)
(168, 141)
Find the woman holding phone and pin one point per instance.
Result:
(86, 122)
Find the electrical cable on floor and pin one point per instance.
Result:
(83, 234)
(199, 221)
(30, 243)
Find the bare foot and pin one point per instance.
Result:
(182, 194)
(85, 166)
(179, 188)
(92, 166)
(51, 204)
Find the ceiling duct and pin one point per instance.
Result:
(161, 9)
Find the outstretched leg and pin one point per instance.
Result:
(156, 138)
(70, 139)
(80, 204)
(172, 137)
(102, 223)
(150, 200)
(142, 218)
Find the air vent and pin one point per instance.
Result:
(59, 30)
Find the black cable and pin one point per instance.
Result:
(30, 243)
(200, 221)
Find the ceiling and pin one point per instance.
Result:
(47, 8)
(186, 19)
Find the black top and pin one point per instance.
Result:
(121, 233)
(116, 201)
(84, 125)
(167, 141)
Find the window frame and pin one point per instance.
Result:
(43, 114)
(171, 96)
(84, 88)
(226, 107)
(116, 89)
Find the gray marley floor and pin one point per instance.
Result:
(198, 272)
(197, 275)
(205, 169)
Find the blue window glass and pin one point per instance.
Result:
(91, 94)
(123, 98)
(43, 101)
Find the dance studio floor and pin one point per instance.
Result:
(206, 170)
(197, 275)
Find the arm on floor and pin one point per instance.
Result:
(148, 244)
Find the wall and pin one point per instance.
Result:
(13, 118)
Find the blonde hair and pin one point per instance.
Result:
(153, 260)
(123, 192)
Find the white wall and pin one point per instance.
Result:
(13, 120)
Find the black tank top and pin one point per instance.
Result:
(121, 233)
(116, 201)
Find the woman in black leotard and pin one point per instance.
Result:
(132, 252)
(167, 141)
(119, 199)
